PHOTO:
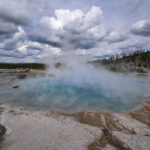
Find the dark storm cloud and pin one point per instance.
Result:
(141, 28)
(6, 36)
(6, 28)
(79, 40)
(11, 54)
(79, 43)
(19, 20)
(14, 16)
(10, 46)
(35, 48)
(20, 12)
(37, 37)
(7, 31)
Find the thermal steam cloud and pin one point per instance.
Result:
(79, 86)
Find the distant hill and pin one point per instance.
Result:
(23, 66)
(139, 61)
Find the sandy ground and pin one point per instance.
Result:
(28, 129)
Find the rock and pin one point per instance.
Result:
(22, 76)
(2, 132)
(16, 86)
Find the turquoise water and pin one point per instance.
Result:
(68, 95)
(80, 89)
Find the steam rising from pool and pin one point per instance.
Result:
(80, 88)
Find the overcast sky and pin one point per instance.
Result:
(36, 30)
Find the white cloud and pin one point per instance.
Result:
(93, 17)
(29, 34)
(22, 48)
(66, 16)
(116, 36)
(141, 28)
(63, 17)
(71, 29)
(134, 43)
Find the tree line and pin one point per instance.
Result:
(23, 66)
(138, 60)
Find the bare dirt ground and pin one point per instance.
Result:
(29, 129)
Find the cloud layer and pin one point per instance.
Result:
(141, 28)
(30, 31)
(70, 30)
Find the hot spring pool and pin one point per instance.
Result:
(78, 91)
